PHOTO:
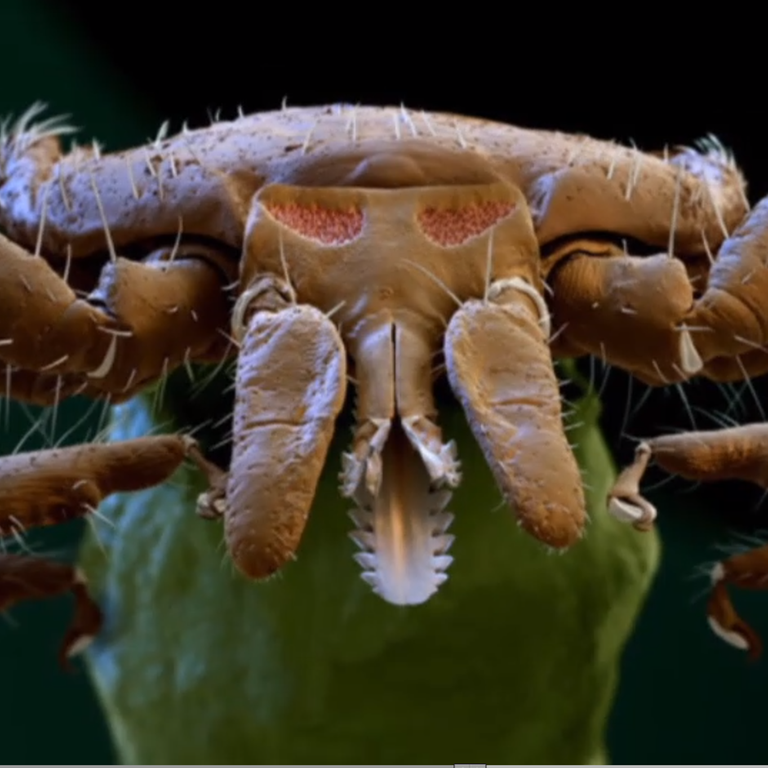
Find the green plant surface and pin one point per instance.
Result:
(515, 660)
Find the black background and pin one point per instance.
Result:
(629, 74)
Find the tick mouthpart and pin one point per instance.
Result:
(400, 516)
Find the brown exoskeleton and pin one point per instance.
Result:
(362, 244)
(49, 487)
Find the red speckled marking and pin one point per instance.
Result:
(452, 226)
(329, 226)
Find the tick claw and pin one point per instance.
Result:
(731, 637)
(624, 501)
(636, 511)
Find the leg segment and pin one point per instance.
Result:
(39, 388)
(749, 365)
(748, 570)
(172, 309)
(737, 453)
(142, 320)
(733, 312)
(720, 329)
(48, 487)
(601, 302)
(24, 577)
(44, 325)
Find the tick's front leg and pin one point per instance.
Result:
(24, 577)
(736, 453)
(141, 321)
(47, 487)
(730, 320)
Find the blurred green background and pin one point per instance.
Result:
(684, 696)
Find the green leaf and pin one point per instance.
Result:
(515, 660)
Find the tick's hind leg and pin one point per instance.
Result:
(24, 577)
(737, 453)
(748, 570)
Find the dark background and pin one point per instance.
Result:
(121, 69)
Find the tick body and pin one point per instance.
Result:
(377, 249)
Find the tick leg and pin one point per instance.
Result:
(44, 326)
(624, 501)
(732, 314)
(48, 487)
(602, 301)
(290, 388)
(171, 308)
(748, 570)
(24, 577)
(735, 453)
(748, 365)
(141, 321)
(500, 368)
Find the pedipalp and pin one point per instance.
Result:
(290, 387)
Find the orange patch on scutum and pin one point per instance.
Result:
(330, 226)
(454, 226)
